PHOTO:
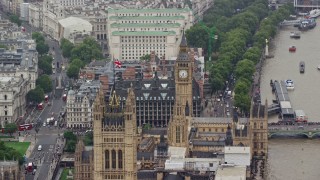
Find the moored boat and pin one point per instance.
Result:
(292, 49)
(301, 67)
(289, 84)
(295, 35)
(319, 67)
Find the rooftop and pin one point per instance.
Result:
(146, 17)
(231, 172)
(143, 33)
(168, 25)
(166, 10)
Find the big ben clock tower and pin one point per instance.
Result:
(178, 127)
(183, 77)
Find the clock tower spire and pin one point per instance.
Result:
(178, 127)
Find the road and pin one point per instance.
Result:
(48, 137)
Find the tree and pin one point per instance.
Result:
(242, 101)
(66, 47)
(88, 139)
(145, 57)
(35, 95)
(87, 51)
(45, 82)
(73, 71)
(10, 128)
(45, 64)
(245, 68)
(198, 36)
(38, 37)
(15, 19)
(71, 141)
(10, 153)
(42, 48)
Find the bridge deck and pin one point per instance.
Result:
(283, 99)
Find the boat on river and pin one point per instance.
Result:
(319, 67)
(295, 35)
(292, 49)
(289, 84)
(302, 67)
(307, 24)
(314, 13)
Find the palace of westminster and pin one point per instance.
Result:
(190, 147)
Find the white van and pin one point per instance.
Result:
(39, 148)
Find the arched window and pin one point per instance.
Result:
(120, 159)
(6, 175)
(107, 159)
(114, 159)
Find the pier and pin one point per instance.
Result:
(284, 104)
(290, 23)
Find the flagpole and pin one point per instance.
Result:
(114, 73)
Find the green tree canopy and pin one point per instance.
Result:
(87, 51)
(38, 37)
(45, 82)
(10, 128)
(35, 95)
(9, 153)
(88, 139)
(66, 47)
(145, 57)
(42, 48)
(245, 68)
(15, 19)
(198, 36)
(73, 71)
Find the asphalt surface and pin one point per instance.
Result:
(48, 136)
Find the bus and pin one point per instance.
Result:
(24, 127)
(64, 97)
(46, 98)
(40, 106)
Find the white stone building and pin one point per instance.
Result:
(12, 98)
(35, 15)
(70, 27)
(80, 104)
(24, 11)
(136, 32)
(52, 13)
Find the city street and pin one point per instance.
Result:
(48, 136)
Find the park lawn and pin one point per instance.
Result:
(21, 147)
(65, 174)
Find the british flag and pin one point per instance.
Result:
(117, 63)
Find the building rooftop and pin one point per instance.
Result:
(146, 17)
(166, 25)
(74, 22)
(231, 172)
(157, 10)
(143, 33)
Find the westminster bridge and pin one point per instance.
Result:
(309, 130)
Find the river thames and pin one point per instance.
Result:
(294, 159)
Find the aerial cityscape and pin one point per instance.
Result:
(159, 90)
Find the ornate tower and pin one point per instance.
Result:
(115, 138)
(240, 132)
(259, 129)
(183, 76)
(178, 127)
(130, 138)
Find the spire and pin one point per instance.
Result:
(183, 41)
(114, 101)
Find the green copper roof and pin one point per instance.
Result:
(166, 10)
(123, 25)
(146, 17)
(143, 33)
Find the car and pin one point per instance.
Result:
(218, 100)
(227, 105)
(39, 148)
(44, 124)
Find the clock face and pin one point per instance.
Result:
(183, 74)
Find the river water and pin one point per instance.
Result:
(294, 159)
